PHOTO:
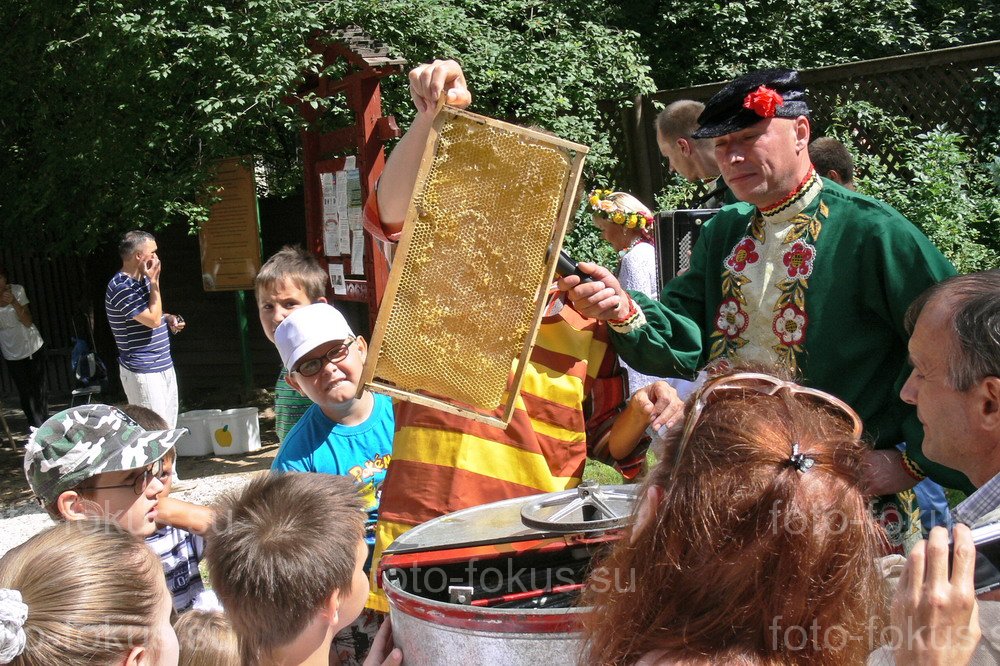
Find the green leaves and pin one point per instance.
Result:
(116, 109)
(951, 193)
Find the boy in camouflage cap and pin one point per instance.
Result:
(93, 460)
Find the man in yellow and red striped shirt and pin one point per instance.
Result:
(571, 391)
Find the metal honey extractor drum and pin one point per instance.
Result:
(498, 584)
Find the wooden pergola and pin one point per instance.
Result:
(353, 67)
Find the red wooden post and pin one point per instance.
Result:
(324, 151)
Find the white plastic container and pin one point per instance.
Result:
(235, 431)
(198, 441)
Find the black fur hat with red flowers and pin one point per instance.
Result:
(767, 93)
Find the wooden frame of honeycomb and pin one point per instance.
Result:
(471, 275)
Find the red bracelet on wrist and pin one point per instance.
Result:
(632, 311)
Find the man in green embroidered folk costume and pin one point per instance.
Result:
(802, 273)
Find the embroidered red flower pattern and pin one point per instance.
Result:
(799, 260)
(764, 101)
(742, 255)
(732, 319)
(790, 326)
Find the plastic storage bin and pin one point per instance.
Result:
(235, 431)
(198, 441)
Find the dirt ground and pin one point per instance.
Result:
(14, 489)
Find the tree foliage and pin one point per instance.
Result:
(116, 108)
(951, 192)
(712, 40)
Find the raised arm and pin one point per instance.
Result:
(427, 84)
(21, 309)
(152, 316)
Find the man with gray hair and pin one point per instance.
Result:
(141, 328)
(954, 350)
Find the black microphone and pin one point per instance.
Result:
(566, 266)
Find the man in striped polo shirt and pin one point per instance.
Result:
(140, 326)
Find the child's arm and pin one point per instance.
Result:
(184, 515)
(398, 179)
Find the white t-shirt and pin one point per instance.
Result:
(17, 341)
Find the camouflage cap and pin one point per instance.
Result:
(88, 440)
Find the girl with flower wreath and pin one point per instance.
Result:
(626, 224)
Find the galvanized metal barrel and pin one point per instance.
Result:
(495, 584)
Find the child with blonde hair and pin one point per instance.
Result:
(65, 599)
(206, 638)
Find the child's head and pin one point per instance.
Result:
(323, 356)
(206, 638)
(620, 216)
(150, 420)
(288, 280)
(287, 552)
(85, 592)
(93, 460)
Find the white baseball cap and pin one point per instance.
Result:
(307, 328)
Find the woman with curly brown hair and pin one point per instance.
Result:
(753, 543)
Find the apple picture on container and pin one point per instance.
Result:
(223, 436)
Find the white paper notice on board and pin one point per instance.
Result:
(354, 189)
(345, 238)
(331, 237)
(341, 189)
(329, 194)
(354, 219)
(357, 253)
(337, 280)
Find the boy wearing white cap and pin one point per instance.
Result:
(339, 434)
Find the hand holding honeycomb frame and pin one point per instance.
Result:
(470, 278)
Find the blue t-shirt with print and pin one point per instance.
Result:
(362, 452)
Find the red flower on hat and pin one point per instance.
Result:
(764, 101)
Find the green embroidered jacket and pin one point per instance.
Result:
(854, 265)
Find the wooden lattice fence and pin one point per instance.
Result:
(955, 87)
(58, 308)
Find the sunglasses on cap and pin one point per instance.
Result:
(741, 383)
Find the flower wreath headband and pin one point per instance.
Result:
(601, 204)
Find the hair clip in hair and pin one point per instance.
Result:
(13, 614)
(800, 461)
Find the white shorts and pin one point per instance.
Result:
(154, 390)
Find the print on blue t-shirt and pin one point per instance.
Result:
(362, 452)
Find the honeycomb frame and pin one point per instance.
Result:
(470, 278)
